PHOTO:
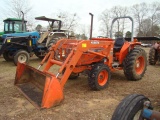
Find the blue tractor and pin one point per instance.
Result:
(18, 45)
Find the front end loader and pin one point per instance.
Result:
(45, 89)
(97, 57)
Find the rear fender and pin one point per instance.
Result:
(124, 51)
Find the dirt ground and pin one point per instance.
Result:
(80, 103)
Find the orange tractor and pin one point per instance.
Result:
(98, 56)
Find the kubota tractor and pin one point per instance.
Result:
(98, 56)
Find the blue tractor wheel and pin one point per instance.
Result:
(8, 56)
(21, 56)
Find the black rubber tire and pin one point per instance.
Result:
(130, 62)
(38, 54)
(21, 53)
(51, 42)
(129, 107)
(94, 76)
(74, 76)
(152, 56)
(6, 56)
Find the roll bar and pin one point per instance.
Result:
(122, 18)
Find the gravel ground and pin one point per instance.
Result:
(80, 103)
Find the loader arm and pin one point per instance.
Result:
(76, 59)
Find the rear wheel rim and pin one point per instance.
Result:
(140, 64)
(137, 115)
(22, 58)
(102, 77)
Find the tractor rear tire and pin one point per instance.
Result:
(152, 56)
(130, 107)
(7, 56)
(21, 56)
(38, 54)
(99, 76)
(135, 64)
(51, 42)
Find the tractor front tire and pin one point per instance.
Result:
(74, 76)
(135, 64)
(130, 108)
(152, 56)
(7, 56)
(99, 76)
(21, 56)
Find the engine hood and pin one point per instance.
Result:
(21, 34)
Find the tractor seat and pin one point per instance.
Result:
(118, 44)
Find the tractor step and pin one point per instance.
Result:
(115, 64)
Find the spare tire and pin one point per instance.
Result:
(130, 107)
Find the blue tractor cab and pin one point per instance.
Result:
(16, 43)
(14, 25)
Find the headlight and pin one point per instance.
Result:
(8, 41)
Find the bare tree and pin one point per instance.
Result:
(145, 27)
(105, 22)
(118, 11)
(108, 15)
(84, 30)
(147, 17)
(14, 8)
(155, 15)
(139, 12)
(38, 28)
(69, 20)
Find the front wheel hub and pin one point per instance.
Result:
(22, 58)
(102, 77)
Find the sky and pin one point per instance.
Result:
(81, 7)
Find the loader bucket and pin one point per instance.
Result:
(42, 89)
